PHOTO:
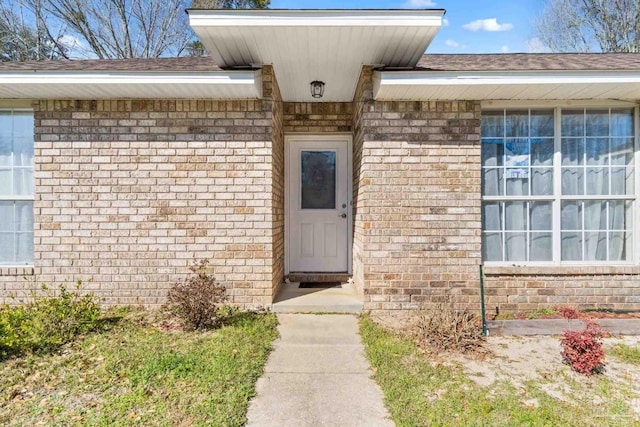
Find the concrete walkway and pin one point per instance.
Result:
(317, 375)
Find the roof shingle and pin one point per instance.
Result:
(133, 65)
(431, 62)
(531, 62)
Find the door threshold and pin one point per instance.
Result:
(319, 277)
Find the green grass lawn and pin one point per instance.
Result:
(132, 373)
(419, 392)
(627, 354)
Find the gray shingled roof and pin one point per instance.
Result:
(531, 62)
(434, 62)
(139, 65)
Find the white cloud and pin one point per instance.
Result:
(504, 49)
(452, 43)
(445, 22)
(419, 4)
(76, 48)
(535, 45)
(70, 42)
(490, 24)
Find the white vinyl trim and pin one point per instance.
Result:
(130, 78)
(315, 18)
(479, 78)
(516, 85)
(127, 85)
(577, 103)
(18, 198)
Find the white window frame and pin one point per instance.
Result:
(557, 196)
(16, 198)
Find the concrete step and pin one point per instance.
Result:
(292, 299)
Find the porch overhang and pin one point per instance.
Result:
(508, 85)
(127, 85)
(307, 45)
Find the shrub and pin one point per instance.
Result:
(542, 313)
(13, 321)
(568, 313)
(583, 349)
(443, 328)
(197, 300)
(47, 323)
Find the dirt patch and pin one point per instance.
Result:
(397, 321)
(519, 360)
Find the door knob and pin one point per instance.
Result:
(344, 215)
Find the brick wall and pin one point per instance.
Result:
(417, 234)
(510, 289)
(128, 192)
(363, 101)
(272, 95)
(17, 284)
(317, 117)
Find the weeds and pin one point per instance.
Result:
(627, 354)
(542, 313)
(443, 328)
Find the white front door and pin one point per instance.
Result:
(318, 204)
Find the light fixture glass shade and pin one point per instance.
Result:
(317, 89)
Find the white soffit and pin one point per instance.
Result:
(306, 45)
(110, 85)
(517, 85)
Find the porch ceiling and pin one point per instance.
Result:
(326, 45)
(507, 85)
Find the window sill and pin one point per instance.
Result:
(555, 270)
(17, 270)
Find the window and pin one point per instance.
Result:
(558, 185)
(16, 187)
(318, 180)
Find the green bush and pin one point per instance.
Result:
(47, 323)
(12, 321)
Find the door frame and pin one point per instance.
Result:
(346, 137)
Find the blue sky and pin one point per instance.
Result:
(471, 26)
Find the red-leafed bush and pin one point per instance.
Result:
(583, 349)
(568, 312)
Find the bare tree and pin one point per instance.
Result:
(21, 41)
(47, 29)
(116, 28)
(590, 25)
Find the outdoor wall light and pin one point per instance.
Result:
(317, 89)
